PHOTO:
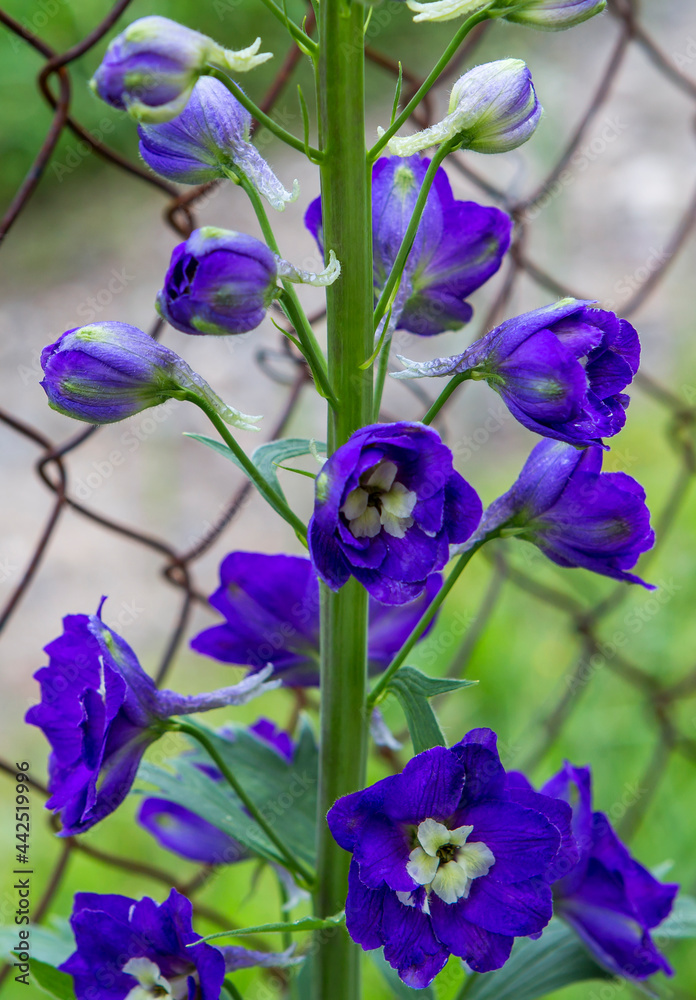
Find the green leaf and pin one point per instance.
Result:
(413, 690)
(267, 457)
(283, 927)
(284, 792)
(50, 945)
(537, 968)
(681, 923)
(52, 981)
(398, 989)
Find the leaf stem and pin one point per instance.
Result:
(444, 396)
(310, 348)
(380, 687)
(199, 734)
(264, 119)
(262, 485)
(282, 927)
(304, 42)
(428, 83)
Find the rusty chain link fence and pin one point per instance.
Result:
(674, 733)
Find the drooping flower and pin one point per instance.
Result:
(547, 15)
(576, 514)
(129, 949)
(608, 898)
(446, 861)
(493, 108)
(100, 711)
(388, 504)
(211, 139)
(220, 282)
(150, 69)
(183, 831)
(109, 371)
(561, 370)
(271, 609)
(459, 245)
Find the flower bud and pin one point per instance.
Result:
(493, 108)
(210, 139)
(220, 282)
(150, 69)
(109, 371)
(555, 15)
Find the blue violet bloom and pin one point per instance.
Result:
(575, 513)
(608, 898)
(447, 862)
(100, 711)
(388, 505)
(459, 245)
(561, 370)
(131, 949)
(271, 608)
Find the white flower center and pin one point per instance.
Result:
(379, 502)
(445, 863)
(151, 982)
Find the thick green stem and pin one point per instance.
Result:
(345, 195)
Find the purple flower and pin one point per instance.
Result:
(608, 898)
(561, 370)
(493, 108)
(185, 832)
(271, 609)
(218, 282)
(576, 514)
(555, 15)
(447, 861)
(150, 69)
(109, 371)
(210, 139)
(458, 245)
(129, 949)
(100, 711)
(388, 505)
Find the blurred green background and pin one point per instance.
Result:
(602, 234)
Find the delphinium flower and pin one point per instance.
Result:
(150, 69)
(445, 861)
(547, 15)
(271, 609)
(388, 504)
(109, 371)
(100, 711)
(209, 140)
(459, 245)
(221, 282)
(128, 949)
(610, 899)
(492, 109)
(183, 831)
(561, 370)
(575, 513)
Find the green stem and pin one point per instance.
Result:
(310, 348)
(467, 985)
(410, 234)
(232, 990)
(304, 42)
(265, 489)
(382, 365)
(345, 192)
(263, 119)
(199, 734)
(430, 80)
(444, 396)
(380, 687)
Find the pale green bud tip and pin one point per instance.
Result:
(445, 10)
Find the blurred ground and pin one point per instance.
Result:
(92, 246)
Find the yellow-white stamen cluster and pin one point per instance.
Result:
(379, 502)
(445, 863)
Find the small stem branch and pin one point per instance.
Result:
(264, 119)
(264, 488)
(199, 734)
(444, 396)
(428, 83)
(380, 687)
(382, 365)
(304, 42)
(310, 348)
(410, 234)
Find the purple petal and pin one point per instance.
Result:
(480, 949)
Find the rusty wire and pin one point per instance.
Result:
(52, 465)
